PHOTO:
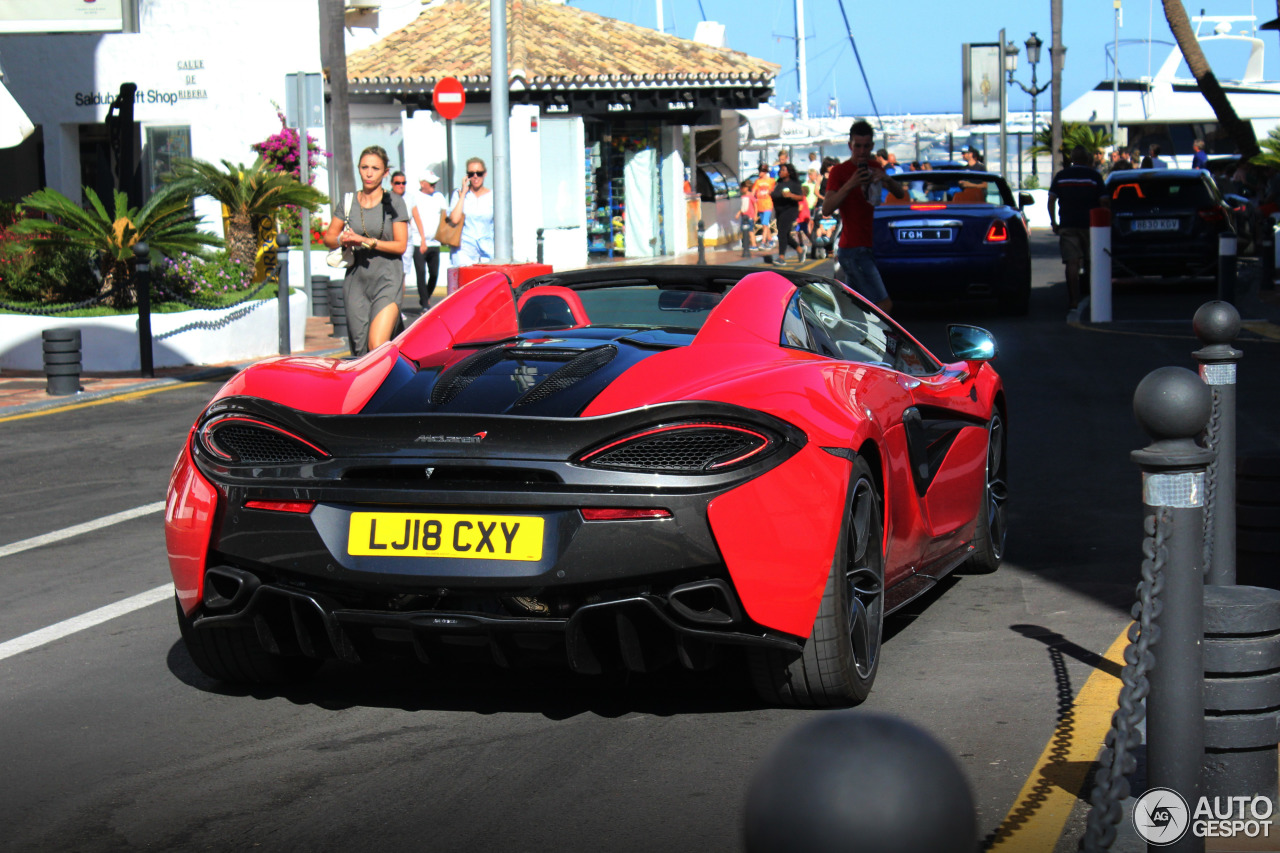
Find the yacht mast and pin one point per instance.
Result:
(800, 61)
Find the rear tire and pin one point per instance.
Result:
(235, 656)
(842, 655)
(992, 530)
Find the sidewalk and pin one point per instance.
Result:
(23, 391)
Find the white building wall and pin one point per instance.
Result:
(215, 69)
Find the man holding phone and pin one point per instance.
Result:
(854, 189)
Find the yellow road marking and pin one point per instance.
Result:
(1054, 785)
(114, 398)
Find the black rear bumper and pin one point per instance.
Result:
(633, 630)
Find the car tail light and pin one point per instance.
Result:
(250, 441)
(1213, 213)
(997, 232)
(623, 514)
(302, 507)
(1137, 188)
(684, 448)
(928, 207)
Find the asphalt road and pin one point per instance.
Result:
(110, 739)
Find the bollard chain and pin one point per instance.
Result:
(1117, 761)
(213, 325)
(191, 303)
(1211, 475)
(87, 303)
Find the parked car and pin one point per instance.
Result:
(1166, 222)
(958, 235)
(614, 467)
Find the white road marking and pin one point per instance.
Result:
(76, 530)
(70, 626)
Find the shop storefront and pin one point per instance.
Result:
(600, 112)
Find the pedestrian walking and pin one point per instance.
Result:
(787, 194)
(473, 207)
(373, 226)
(426, 261)
(853, 189)
(400, 186)
(763, 189)
(1077, 189)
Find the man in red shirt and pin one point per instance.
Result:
(854, 188)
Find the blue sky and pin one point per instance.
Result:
(911, 48)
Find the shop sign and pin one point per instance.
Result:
(187, 91)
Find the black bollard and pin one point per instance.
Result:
(851, 780)
(319, 296)
(702, 247)
(142, 287)
(1227, 268)
(747, 228)
(540, 245)
(338, 309)
(1241, 692)
(1172, 406)
(1216, 324)
(282, 290)
(61, 361)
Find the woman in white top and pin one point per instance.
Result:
(473, 203)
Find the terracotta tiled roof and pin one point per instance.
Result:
(549, 46)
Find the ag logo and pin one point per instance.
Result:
(1160, 816)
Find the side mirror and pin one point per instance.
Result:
(970, 343)
(1026, 199)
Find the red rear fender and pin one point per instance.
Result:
(189, 511)
(483, 310)
(325, 386)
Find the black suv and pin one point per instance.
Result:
(1166, 222)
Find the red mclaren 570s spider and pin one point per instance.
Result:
(613, 468)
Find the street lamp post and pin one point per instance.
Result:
(1011, 65)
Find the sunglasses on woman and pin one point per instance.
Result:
(475, 174)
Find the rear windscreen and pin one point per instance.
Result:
(1139, 195)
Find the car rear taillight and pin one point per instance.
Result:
(249, 441)
(302, 507)
(1212, 213)
(928, 207)
(623, 514)
(997, 232)
(684, 448)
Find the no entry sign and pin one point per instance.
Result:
(448, 98)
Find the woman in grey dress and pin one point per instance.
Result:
(376, 228)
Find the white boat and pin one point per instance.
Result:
(1170, 111)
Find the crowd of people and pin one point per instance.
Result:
(394, 234)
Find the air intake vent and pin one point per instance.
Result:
(575, 371)
(251, 442)
(683, 449)
(454, 380)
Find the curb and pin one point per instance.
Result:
(144, 384)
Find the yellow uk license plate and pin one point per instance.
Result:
(422, 534)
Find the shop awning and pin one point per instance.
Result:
(14, 124)
(765, 122)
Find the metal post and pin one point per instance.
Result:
(1100, 265)
(1227, 268)
(1216, 324)
(1034, 92)
(1004, 117)
(702, 248)
(1020, 160)
(540, 244)
(142, 252)
(448, 155)
(282, 289)
(1172, 406)
(500, 119)
(304, 173)
(747, 227)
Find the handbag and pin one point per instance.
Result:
(343, 256)
(447, 233)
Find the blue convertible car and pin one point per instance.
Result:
(958, 235)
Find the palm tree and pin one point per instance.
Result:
(1073, 133)
(249, 192)
(1241, 132)
(166, 223)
